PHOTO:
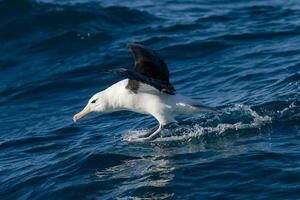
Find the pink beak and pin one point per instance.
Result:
(82, 113)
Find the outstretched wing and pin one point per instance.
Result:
(147, 63)
(149, 68)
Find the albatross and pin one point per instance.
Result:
(146, 89)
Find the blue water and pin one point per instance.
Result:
(242, 56)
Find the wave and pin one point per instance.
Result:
(7, 64)
(7, 6)
(215, 18)
(194, 49)
(29, 141)
(259, 35)
(235, 119)
(78, 42)
(92, 161)
(44, 17)
(177, 28)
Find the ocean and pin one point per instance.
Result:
(240, 56)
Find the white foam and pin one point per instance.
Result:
(196, 131)
(133, 135)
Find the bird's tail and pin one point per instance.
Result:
(185, 108)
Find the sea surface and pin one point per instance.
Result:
(240, 56)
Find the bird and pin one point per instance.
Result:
(145, 89)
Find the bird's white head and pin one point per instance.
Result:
(97, 103)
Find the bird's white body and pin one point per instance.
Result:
(148, 100)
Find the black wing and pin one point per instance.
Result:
(135, 77)
(147, 63)
(149, 68)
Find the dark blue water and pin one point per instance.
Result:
(243, 56)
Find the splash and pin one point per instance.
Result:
(134, 135)
(197, 131)
(236, 118)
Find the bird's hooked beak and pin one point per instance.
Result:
(82, 113)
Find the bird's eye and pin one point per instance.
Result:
(94, 101)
